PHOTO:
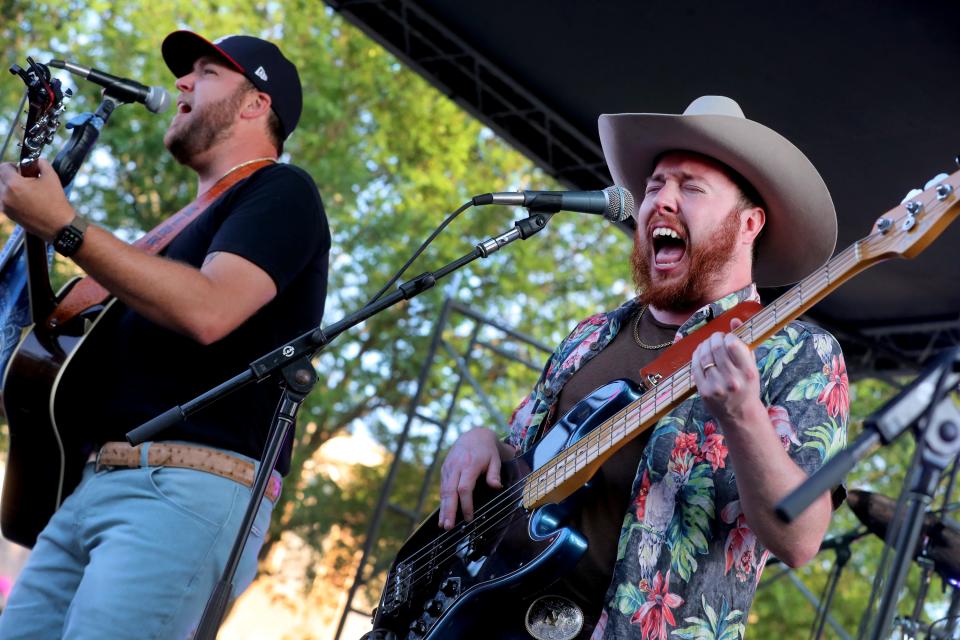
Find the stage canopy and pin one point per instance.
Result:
(869, 91)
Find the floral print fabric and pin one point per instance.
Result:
(688, 563)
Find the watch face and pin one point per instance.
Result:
(68, 240)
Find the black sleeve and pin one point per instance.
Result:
(277, 223)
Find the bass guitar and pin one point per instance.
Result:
(512, 572)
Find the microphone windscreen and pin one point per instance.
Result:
(157, 100)
(620, 204)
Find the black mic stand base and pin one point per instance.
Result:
(299, 377)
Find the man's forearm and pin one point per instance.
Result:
(766, 474)
(174, 295)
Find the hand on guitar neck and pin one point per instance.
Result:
(38, 204)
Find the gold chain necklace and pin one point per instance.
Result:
(243, 164)
(636, 334)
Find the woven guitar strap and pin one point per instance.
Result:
(88, 292)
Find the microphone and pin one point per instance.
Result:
(613, 203)
(155, 99)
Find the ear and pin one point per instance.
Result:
(255, 104)
(751, 223)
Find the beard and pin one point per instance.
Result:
(708, 264)
(205, 128)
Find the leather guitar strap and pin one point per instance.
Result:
(88, 292)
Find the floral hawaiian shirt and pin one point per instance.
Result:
(687, 562)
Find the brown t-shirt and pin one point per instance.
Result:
(622, 358)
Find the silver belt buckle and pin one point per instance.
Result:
(97, 465)
(553, 617)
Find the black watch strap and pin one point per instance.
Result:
(68, 239)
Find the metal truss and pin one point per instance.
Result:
(432, 49)
(458, 71)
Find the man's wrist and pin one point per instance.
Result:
(69, 238)
(751, 415)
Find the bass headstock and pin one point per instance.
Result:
(46, 99)
(910, 227)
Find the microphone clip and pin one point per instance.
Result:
(533, 224)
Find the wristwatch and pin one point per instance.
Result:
(68, 239)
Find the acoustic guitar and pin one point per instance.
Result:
(34, 486)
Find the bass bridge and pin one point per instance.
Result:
(397, 591)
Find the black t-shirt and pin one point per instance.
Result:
(131, 370)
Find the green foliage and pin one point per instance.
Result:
(628, 598)
(687, 533)
(725, 625)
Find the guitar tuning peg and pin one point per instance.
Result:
(913, 193)
(956, 160)
(935, 180)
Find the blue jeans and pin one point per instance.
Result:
(133, 553)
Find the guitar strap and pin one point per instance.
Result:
(88, 292)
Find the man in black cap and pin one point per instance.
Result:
(135, 550)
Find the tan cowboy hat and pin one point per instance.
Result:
(801, 229)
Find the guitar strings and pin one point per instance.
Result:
(491, 514)
(499, 503)
(424, 571)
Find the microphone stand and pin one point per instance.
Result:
(925, 407)
(903, 412)
(841, 546)
(297, 378)
(939, 445)
(86, 130)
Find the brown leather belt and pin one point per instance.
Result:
(185, 456)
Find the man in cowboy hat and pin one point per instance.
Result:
(138, 547)
(681, 523)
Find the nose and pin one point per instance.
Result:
(665, 198)
(185, 83)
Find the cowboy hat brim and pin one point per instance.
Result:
(800, 233)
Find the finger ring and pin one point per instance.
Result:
(708, 365)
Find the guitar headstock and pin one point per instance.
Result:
(909, 228)
(46, 99)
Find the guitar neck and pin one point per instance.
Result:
(571, 468)
(42, 298)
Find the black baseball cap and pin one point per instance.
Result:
(260, 61)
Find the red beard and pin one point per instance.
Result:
(708, 264)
